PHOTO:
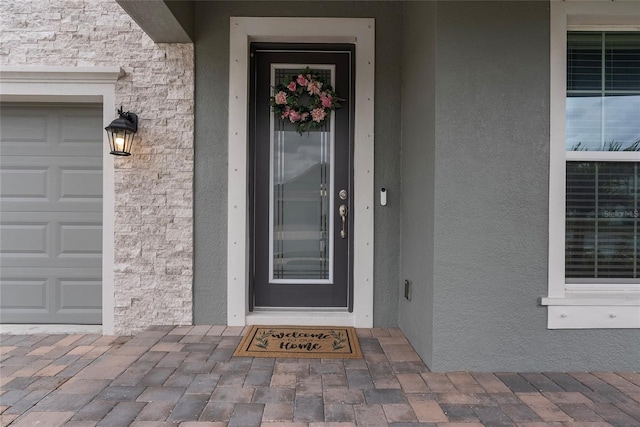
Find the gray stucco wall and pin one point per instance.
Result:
(491, 199)
(418, 174)
(472, 234)
(210, 224)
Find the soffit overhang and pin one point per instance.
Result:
(164, 21)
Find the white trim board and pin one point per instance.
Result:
(243, 31)
(77, 84)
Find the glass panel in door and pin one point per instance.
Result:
(301, 182)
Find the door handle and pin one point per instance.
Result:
(343, 214)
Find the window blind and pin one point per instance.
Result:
(602, 227)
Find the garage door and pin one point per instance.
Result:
(51, 213)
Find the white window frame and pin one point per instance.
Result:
(581, 306)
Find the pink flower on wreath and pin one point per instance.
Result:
(294, 116)
(281, 98)
(318, 114)
(304, 116)
(302, 81)
(314, 87)
(286, 112)
(292, 86)
(327, 100)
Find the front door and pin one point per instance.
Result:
(301, 178)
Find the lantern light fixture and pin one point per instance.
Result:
(121, 132)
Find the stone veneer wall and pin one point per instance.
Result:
(154, 187)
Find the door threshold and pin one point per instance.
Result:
(306, 317)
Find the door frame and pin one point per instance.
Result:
(243, 31)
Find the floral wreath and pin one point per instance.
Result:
(322, 100)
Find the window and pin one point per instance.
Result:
(594, 241)
(602, 242)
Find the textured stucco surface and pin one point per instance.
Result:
(418, 175)
(491, 199)
(212, 77)
(153, 187)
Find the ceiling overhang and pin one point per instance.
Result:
(165, 21)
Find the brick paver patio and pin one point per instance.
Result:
(186, 376)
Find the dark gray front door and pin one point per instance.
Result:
(301, 186)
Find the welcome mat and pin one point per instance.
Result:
(300, 342)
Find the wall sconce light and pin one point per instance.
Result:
(121, 132)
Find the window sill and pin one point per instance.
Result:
(593, 311)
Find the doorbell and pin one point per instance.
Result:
(383, 196)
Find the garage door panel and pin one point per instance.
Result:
(76, 183)
(82, 240)
(43, 161)
(76, 317)
(80, 294)
(51, 131)
(51, 213)
(55, 273)
(79, 129)
(59, 295)
(24, 240)
(28, 183)
(38, 161)
(75, 149)
(50, 184)
(24, 293)
(60, 217)
(24, 127)
(61, 192)
(75, 204)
